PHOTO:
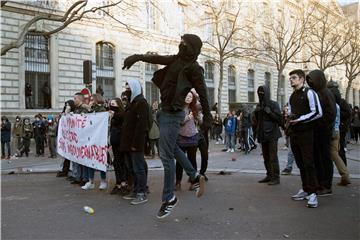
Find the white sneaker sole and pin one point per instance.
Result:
(312, 205)
(168, 213)
(200, 191)
(137, 203)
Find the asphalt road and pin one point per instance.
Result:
(41, 206)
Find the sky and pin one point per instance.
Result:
(345, 2)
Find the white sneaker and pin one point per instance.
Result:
(103, 185)
(217, 143)
(232, 150)
(301, 195)
(223, 141)
(312, 202)
(88, 186)
(228, 150)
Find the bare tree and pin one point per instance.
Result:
(226, 35)
(283, 40)
(326, 38)
(352, 59)
(76, 11)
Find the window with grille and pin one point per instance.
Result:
(209, 72)
(105, 55)
(232, 84)
(37, 67)
(251, 85)
(267, 79)
(152, 92)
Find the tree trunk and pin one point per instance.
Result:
(221, 66)
(278, 96)
(347, 92)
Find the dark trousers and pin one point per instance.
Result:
(191, 154)
(245, 138)
(66, 166)
(204, 152)
(25, 147)
(39, 141)
(356, 133)
(323, 163)
(52, 146)
(271, 161)
(342, 153)
(140, 171)
(121, 167)
(47, 101)
(302, 146)
(153, 143)
(7, 145)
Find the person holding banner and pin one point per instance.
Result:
(133, 139)
(79, 170)
(96, 105)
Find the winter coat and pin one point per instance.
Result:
(154, 132)
(116, 127)
(136, 120)
(230, 127)
(326, 98)
(355, 120)
(268, 117)
(6, 131)
(18, 129)
(83, 108)
(28, 131)
(218, 127)
(52, 130)
(98, 108)
(39, 128)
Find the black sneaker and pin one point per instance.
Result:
(324, 192)
(166, 208)
(286, 171)
(265, 180)
(130, 196)
(199, 185)
(274, 182)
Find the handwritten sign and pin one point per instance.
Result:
(82, 138)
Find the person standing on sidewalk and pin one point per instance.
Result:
(39, 134)
(18, 132)
(5, 137)
(133, 139)
(230, 131)
(182, 72)
(355, 123)
(52, 134)
(323, 131)
(268, 118)
(154, 132)
(28, 133)
(28, 96)
(304, 109)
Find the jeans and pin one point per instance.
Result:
(39, 141)
(230, 141)
(52, 146)
(7, 145)
(80, 172)
(290, 159)
(140, 171)
(121, 166)
(91, 174)
(169, 150)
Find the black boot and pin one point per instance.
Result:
(265, 180)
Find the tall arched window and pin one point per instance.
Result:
(267, 79)
(251, 85)
(105, 74)
(37, 69)
(282, 91)
(232, 84)
(151, 91)
(209, 80)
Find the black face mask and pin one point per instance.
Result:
(182, 50)
(128, 94)
(114, 108)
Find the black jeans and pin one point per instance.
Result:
(66, 166)
(302, 146)
(356, 133)
(323, 163)
(191, 154)
(271, 161)
(342, 153)
(204, 152)
(7, 145)
(121, 167)
(25, 148)
(39, 141)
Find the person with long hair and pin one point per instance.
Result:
(188, 135)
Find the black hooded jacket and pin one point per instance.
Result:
(317, 81)
(181, 73)
(345, 111)
(268, 118)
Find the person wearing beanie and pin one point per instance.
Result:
(39, 133)
(181, 73)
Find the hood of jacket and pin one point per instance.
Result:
(266, 90)
(193, 47)
(135, 88)
(316, 80)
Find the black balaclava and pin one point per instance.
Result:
(191, 48)
(261, 94)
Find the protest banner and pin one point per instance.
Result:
(83, 138)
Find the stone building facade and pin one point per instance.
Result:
(151, 27)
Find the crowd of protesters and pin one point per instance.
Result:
(180, 125)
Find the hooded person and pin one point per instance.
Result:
(268, 118)
(18, 131)
(181, 73)
(323, 131)
(345, 117)
(133, 136)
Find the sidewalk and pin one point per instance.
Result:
(218, 161)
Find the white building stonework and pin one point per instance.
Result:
(62, 65)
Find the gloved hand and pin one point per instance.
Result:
(129, 61)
